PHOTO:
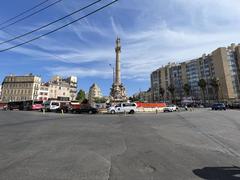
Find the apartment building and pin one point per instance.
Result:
(161, 79)
(222, 64)
(72, 81)
(43, 92)
(20, 88)
(59, 89)
(30, 87)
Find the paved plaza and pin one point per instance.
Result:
(202, 144)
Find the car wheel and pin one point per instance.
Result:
(113, 112)
(90, 112)
(132, 112)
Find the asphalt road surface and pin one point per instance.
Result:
(171, 146)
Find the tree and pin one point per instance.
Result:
(215, 84)
(187, 89)
(100, 100)
(85, 101)
(162, 92)
(131, 99)
(171, 89)
(203, 84)
(80, 95)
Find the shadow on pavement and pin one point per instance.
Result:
(218, 173)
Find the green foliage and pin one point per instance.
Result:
(187, 89)
(171, 89)
(215, 84)
(134, 98)
(85, 101)
(161, 91)
(100, 100)
(203, 84)
(81, 95)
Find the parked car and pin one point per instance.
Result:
(170, 108)
(89, 110)
(64, 107)
(130, 108)
(83, 107)
(234, 105)
(15, 105)
(51, 106)
(3, 106)
(218, 106)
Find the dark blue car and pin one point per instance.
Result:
(218, 106)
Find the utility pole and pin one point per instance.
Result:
(113, 72)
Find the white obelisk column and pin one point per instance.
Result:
(118, 68)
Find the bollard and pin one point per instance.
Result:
(125, 113)
(62, 111)
(156, 111)
(44, 111)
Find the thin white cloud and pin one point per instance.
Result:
(153, 33)
(81, 72)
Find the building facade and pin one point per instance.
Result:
(43, 92)
(222, 64)
(72, 81)
(94, 92)
(59, 89)
(144, 96)
(30, 87)
(20, 88)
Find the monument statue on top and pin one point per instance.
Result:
(118, 92)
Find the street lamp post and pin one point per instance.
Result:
(113, 71)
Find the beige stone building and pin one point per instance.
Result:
(72, 81)
(30, 87)
(43, 92)
(222, 64)
(94, 92)
(59, 89)
(20, 88)
(0, 92)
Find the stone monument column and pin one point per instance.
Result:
(118, 92)
(118, 66)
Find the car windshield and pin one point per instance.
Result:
(219, 104)
(118, 105)
(55, 104)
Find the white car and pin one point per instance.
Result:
(170, 108)
(51, 105)
(130, 108)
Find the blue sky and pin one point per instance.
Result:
(153, 33)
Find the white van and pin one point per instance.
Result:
(51, 105)
(130, 108)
